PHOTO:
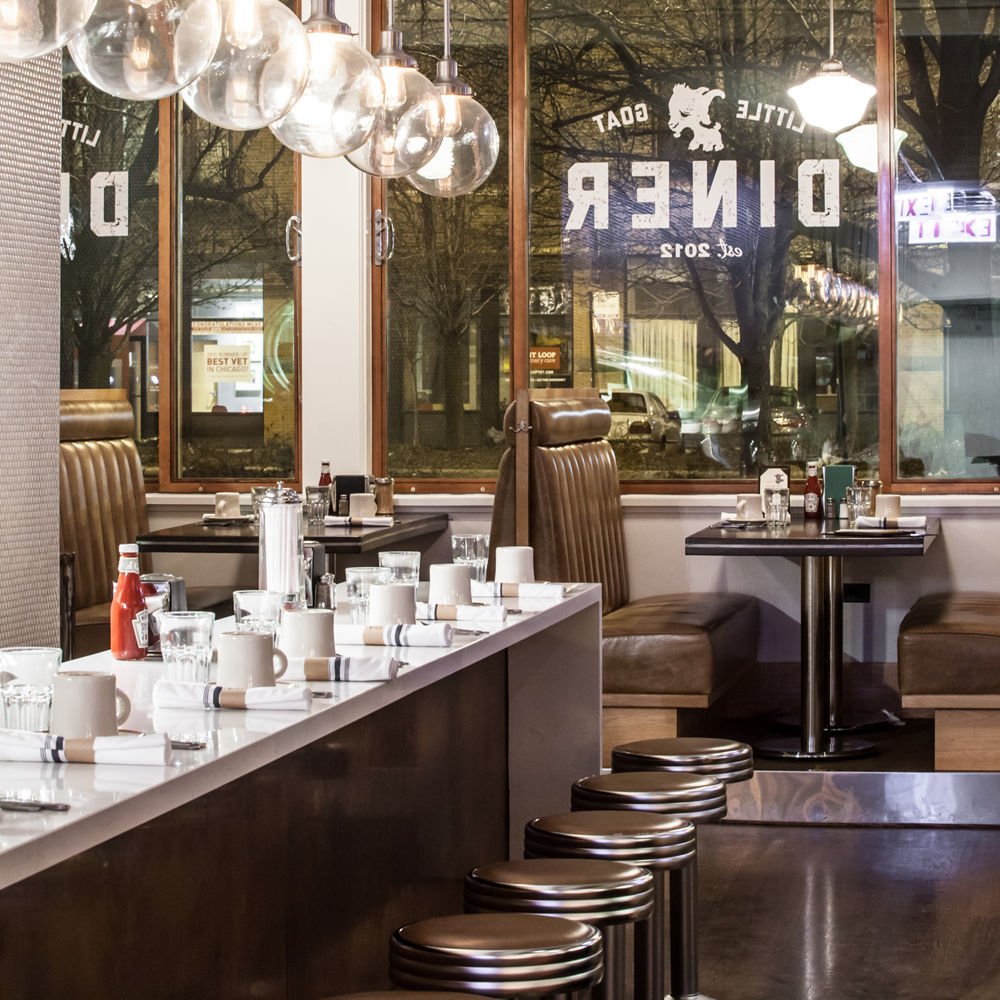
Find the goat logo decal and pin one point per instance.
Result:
(689, 109)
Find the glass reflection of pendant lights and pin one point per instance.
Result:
(147, 49)
(860, 145)
(411, 129)
(471, 142)
(832, 100)
(30, 28)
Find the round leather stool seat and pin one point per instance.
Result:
(694, 797)
(500, 954)
(724, 760)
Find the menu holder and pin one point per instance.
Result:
(836, 479)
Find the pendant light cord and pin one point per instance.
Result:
(391, 10)
(831, 27)
(447, 29)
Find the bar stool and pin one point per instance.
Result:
(405, 995)
(697, 798)
(608, 894)
(725, 760)
(659, 843)
(497, 954)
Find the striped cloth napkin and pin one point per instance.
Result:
(191, 694)
(913, 521)
(393, 635)
(338, 521)
(462, 612)
(140, 748)
(343, 668)
(492, 589)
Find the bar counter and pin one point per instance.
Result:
(275, 862)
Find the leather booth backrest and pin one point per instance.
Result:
(575, 501)
(102, 499)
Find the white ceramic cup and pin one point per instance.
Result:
(248, 659)
(227, 505)
(450, 583)
(748, 507)
(515, 564)
(306, 632)
(391, 604)
(87, 704)
(888, 505)
(361, 505)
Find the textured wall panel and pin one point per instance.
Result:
(30, 114)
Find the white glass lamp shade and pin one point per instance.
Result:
(30, 28)
(259, 68)
(468, 151)
(146, 50)
(860, 145)
(832, 100)
(342, 103)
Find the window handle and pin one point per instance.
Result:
(385, 238)
(294, 226)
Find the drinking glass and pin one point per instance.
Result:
(776, 505)
(859, 503)
(257, 610)
(186, 644)
(403, 567)
(256, 492)
(27, 673)
(359, 580)
(317, 503)
(471, 550)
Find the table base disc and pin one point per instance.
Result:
(832, 748)
(864, 722)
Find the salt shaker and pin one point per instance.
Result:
(281, 560)
(830, 509)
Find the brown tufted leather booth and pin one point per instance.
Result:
(949, 660)
(664, 656)
(102, 503)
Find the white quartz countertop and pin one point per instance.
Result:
(108, 799)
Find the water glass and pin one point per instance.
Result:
(27, 673)
(186, 644)
(257, 610)
(403, 567)
(359, 580)
(473, 551)
(317, 504)
(859, 503)
(776, 505)
(256, 492)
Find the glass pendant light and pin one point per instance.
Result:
(471, 143)
(30, 28)
(258, 70)
(832, 100)
(342, 102)
(860, 145)
(411, 129)
(147, 49)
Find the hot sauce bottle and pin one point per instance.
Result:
(812, 498)
(129, 618)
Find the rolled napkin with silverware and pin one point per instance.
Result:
(489, 588)
(461, 612)
(191, 694)
(394, 635)
(343, 668)
(376, 521)
(137, 748)
(914, 521)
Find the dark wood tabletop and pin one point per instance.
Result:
(236, 538)
(807, 538)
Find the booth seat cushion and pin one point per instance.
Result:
(949, 644)
(690, 643)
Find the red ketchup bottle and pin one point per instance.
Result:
(324, 474)
(812, 498)
(129, 618)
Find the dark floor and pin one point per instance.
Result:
(849, 913)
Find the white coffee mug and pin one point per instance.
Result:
(361, 505)
(748, 507)
(306, 632)
(450, 583)
(248, 659)
(515, 564)
(888, 505)
(391, 604)
(87, 704)
(227, 505)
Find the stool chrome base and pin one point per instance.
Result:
(830, 748)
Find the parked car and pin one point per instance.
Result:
(732, 414)
(641, 415)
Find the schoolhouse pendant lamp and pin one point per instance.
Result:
(833, 99)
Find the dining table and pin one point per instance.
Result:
(821, 547)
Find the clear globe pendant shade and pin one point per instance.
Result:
(30, 28)
(832, 100)
(258, 70)
(342, 103)
(149, 49)
(468, 151)
(411, 128)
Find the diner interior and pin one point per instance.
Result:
(635, 403)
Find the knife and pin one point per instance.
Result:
(32, 805)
